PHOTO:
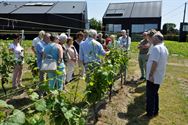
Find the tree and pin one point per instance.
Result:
(95, 24)
(169, 28)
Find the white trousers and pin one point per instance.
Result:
(70, 71)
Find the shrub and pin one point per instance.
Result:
(171, 37)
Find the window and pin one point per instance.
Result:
(140, 28)
(117, 27)
(113, 27)
(150, 26)
(39, 4)
(185, 28)
(137, 28)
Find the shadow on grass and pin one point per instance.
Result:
(20, 102)
(136, 109)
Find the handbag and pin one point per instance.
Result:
(49, 64)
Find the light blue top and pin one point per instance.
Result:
(51, 49)
(39, 50)
(90, 50)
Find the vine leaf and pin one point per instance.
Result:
(3, 104)
(34, 96)
(17, 118)
(40, 105)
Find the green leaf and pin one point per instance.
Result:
(17, 118)
(34, 96)
(3, 104)
(40, 105)
(68, 114)
(91, 83)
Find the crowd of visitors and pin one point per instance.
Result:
(85, 49)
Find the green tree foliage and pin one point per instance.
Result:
(95, 24)
(169, 28)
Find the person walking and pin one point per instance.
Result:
(143, 57)
(155, 72)
(18, 51)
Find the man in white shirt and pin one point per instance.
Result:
(37, 39)
(155, 72)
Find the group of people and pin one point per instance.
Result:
(152, 60)
(86, 48)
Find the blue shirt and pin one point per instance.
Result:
(39, 50)
(90, 50)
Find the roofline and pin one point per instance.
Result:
(41, 1)
(55, 3)
(137, 2)
(133, 6)
(129, 17)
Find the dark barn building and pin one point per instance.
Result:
(49, 16)
(137, 17)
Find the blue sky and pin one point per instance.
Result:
(172, 10)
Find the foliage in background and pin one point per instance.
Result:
(169, 28)
(95, 24)
(32, 65)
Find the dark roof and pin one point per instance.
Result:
(43, 7)
(134, 10)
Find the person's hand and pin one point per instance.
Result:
(151, 78)
(74, 60)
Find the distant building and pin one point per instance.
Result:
(183, 32)
(65, 15)
(137, 17)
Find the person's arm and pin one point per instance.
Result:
(146, 46)
(33, 49)
(155, 55)
(11, 48)
(152, 71)
(129, 43)
(81, 55)
(33, 46)
(60, 54)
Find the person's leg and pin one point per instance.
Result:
(14, 78)
(150, 100)
(144, 64)
(51, 80)
(41, 76)
(19, 76)
(156, 109)
(69, 72)
(61, 77)
(140, 60)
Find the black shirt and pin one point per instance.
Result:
(77, 46)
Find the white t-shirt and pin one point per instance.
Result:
(159, 54)
(18, 51)
(35, 41)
